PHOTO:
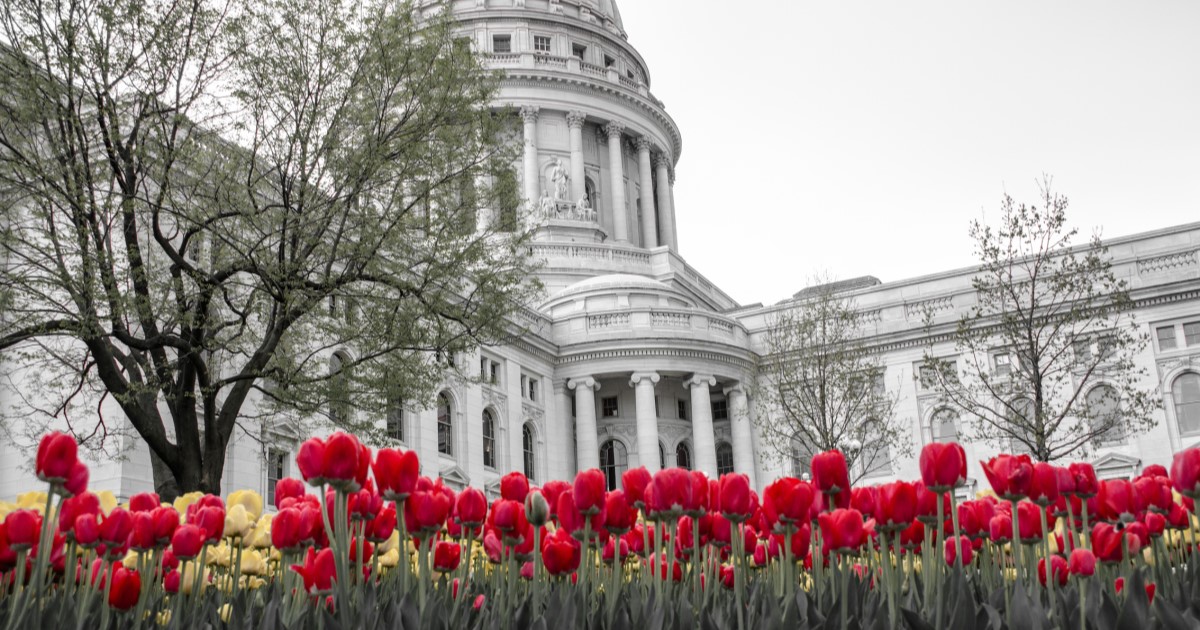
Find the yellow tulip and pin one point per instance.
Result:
(249, 499)
(260, 538)
(184, 500)
(35, 500)
(188, 577)
(5, 508)
(390, 559)
(238, 522)
(164, 618)
(393, 542)
(253, 563)
(252, 582)
(226, 610)
(108, 501)
(218, 555)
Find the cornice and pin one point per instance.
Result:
(636, 352)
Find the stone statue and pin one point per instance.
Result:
(559, 177)
(584, 209)
(546, 206)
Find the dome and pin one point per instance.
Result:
(635, 291)
(615, 281)
(608, 8)
(598, 12)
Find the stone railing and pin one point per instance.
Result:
(589, 253)
(573, 65)
(593, 70)
(656, 322)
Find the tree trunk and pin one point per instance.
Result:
(165, 483)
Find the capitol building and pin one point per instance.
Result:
(634, 358)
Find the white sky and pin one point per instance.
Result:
(861, 137)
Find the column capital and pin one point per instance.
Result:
(575, 119)
(530, 113)
(637, 377)
(614, 129)
(643, 144)
(662, 161)
(584, 382)
(700, 380)
(734, 388)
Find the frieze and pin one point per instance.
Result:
(1166, 366)
(624, 353)
(531, 410)
(1167, 262)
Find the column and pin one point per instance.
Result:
(587, 448)
(704, 442)
(663, 164)
(578, 188)
(649, 214)
(743, 435)
(616, 169)
(647, 419)
(532, 184)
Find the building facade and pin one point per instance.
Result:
(633, 358)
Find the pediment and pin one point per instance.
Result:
(1116, 465)
(455, 477)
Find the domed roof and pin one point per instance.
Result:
(612, 280)
(609, 9)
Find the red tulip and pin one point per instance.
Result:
(611, 548)
(380, 528)
(1082, 562)
(211, 519)
(514, 486)
(896, 506)
(1154, 493)
(1058, 567)
(1043, 485)
(943, 466)
(951, 550)
(634, 482)
(171, 581)
(1010, 475)
(842, 530)
(141, 533)
(912, 537)
(57, 454)
(166, 520)
(144, 502)
(669, 493)
(787, 500)
(288, 488)
(760, 555)
(1029, 524)
(619, 516)
(187, 541)
(471, 508)
(318, 570)
(735, 497)
(509, 517)
(115, 528)
(77, 480)
(726, 575)
(1156, 524)
(1000, 528)
(1155, 470)
(1185, 473)
(1066, 481)
(426, 512)
(1107, 543)
(800, 543)
(589, 491)
(87, 529)
(551, 490)
(1118, 500)
(830, 474)
(23, 527)
(865, 500)
(446, 556)
(1086, 484)
(560, 553)
(286, 534)
(700, 491)
(126, 588)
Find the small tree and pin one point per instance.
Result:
(209, 198)
(1047, 351)
(820, 388)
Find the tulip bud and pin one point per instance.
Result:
(537, 509)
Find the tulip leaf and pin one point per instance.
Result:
(1135, 614)
(914, 620)
(1025, 613)
(1169, 616)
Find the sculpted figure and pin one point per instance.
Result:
(559, 177)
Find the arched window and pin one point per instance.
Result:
(1186, 393)
(339, 388)
(527, 445)
(1103, 406)
(724, 458)
(489, 439)
(683, 456)
(445, 423)
(614, 459)
(943, 426)
(662, 456)
(589, 188)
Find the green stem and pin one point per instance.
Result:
(739, 575)
(1049, 564)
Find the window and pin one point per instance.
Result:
(1022, 414)
(533, 389)
(609, 61)
(501, 43)
(720, 409)
(276, 470)
(395, 419)
(608, 407)
(527, 445)
(681, 406)
(1003, 363)
(541, 43)
(927, 376)
(494, 373)
(489, 438)
(724, 458)
(445, 425)
(614, 459)
(339, 388)
(662, 456)
(483, 369)
(1186, 392)
(943, 426)
(1103, 407)
(1191, 333)
(1166, 337)
(579, 50)
(683, 456)
(802, 455)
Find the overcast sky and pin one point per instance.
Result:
(862, 137)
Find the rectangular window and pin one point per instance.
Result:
(533, 389)
(1003, 363)
(494, 373)
(1191, 333)
(609, 61)
(395, 419)
(608, 407)
(681, 407)
(1166, 338)
(276, 470)
(579, 50)
(720, 410)
(541, 43)
(483, 369)
(524, 386)
(501, 43)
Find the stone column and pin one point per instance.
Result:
(743, 435)
(578, 188)
(587, 447)
(704, 442)
(649, 214)
(665, 209)
(616, 169)
(647, 419)
(532, 180)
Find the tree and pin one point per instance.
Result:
(1047, 351)
(204, 200)
(820, 388)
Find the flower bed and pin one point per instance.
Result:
(377, 545)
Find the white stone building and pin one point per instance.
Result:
(634, 358)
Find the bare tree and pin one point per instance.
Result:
(820, 387)
(1047, 351)
(208, 198)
